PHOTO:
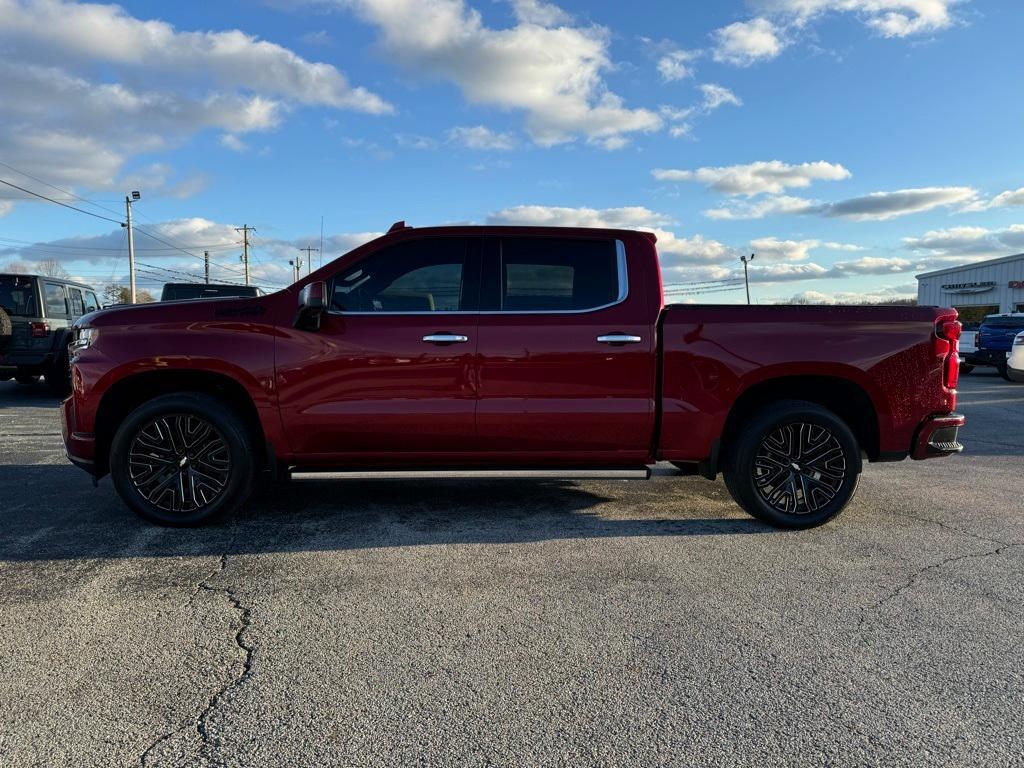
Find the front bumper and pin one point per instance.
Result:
(937, 437)
(80, 446)
(1015, 374)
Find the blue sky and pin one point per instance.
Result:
(849, 143)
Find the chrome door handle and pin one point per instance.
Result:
(445, 338)
(619, 338)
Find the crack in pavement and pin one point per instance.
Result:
(200, 722)
(912, 581)
(957, 529)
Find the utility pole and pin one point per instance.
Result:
(245, 229)
(206, 264)
(296, 266)
(746, 276)
(309, 258)
(128, 200)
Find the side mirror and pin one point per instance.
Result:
(312, 305)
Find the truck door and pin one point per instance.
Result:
(391, 372)
(567, 353)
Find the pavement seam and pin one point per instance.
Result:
(913, 580)
(199, 723)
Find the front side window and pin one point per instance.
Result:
(556, 275)
(426, 275)
(56, 305)
(91, 302)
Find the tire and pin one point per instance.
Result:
(1004, 371)
(26, 379)
(218, 467)
(58, 376)
(966, 369)
(6, 328)
(814, 441)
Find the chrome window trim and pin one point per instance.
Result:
(623, 278)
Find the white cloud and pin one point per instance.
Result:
(680, 131)
(716, 96)
(553, 73)
(773, 249)
(746, 42)
(675, 65)
(773, 176)
(539, 12)
(873, 265)
(232, 142)
(759, 209)
(481, 137)
(87, 88)
(963, 244)
(675, 251)
(880, 206)
(786, 272)
(892, 18)
(1011, 197)
(885, 295)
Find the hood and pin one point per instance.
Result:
(227, 308)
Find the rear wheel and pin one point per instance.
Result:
(1004, 371)
(182, 460)
(58, 376)
(794, 465)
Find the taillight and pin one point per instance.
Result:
(947, 348)
(40, 330)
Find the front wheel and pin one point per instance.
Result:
(182, 460)
(794, 465)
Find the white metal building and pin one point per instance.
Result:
(978, 289)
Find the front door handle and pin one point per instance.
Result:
(619, 338)
(445, 338)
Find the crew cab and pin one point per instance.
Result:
(511, 351)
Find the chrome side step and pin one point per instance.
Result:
(611, 473)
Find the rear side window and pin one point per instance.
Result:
(77, 302)
(427, 275)
(53, 295)
(556, 275)
(18, 296)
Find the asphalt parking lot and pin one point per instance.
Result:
(516, 623)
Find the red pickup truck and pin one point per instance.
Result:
(504, 350)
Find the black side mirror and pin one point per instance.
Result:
(312, 305)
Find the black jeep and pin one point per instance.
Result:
(36, 315)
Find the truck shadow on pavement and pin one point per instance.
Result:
(52, 512)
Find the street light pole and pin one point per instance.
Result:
(746, 275)
(128, 200)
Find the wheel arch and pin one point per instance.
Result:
(127, 394)
(844, 397)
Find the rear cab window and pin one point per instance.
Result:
(542, 274)
(18, 296)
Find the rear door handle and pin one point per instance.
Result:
(445, 338)
(619, 338)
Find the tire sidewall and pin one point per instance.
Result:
(217, 413)
(742, 483)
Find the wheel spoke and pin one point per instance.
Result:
(179, 463)
(799, 468)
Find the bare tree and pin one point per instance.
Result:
(121, 294)
(51, 268)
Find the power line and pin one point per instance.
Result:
(59, 189)
(58, 202)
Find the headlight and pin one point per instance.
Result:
(84, 337)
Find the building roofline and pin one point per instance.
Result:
(949, 270)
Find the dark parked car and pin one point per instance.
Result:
(995, 338)
(511, 351)
(36, 315)
(180, 291)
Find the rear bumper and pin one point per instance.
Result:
(937, 437)
(80, 446)
(25, 359)
(995, 357)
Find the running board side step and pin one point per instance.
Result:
(610, 473)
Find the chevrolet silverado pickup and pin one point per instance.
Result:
(506, 351)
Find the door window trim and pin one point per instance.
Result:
(622, 273)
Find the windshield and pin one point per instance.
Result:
(18, 295)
